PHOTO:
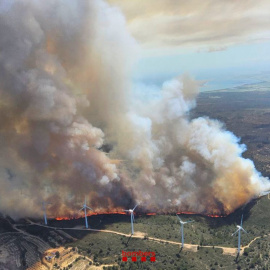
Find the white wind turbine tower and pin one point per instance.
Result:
(131, 217)
(85, 208)
(182, 228)
(44, 204)
(240, 227)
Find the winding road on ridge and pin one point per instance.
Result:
(192, 247)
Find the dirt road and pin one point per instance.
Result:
(192, 247)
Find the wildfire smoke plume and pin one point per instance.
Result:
(65, 91)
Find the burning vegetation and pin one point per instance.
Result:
(65, 92)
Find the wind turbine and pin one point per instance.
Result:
(240, 227)
(44, 204)
(85, 208)
(182, 228)
(132, 219)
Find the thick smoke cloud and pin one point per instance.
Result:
(61, 65)
(64, 85)
(188, 165)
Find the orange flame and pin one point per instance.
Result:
(91, 214)
(125, 213)
(151, 214)
(193, 213)
(186, 213)
(62, 218)
(215, 216)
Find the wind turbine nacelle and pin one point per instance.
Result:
(239, 227)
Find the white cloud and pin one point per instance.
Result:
(196, 24)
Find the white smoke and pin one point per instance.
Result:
(188, 165)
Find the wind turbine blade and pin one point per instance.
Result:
(81, 209)
(189, 221)
(241, 220)
(89, 208)
(235, 232)
(135, 207)
(126, 210)
(85, 200)
(244, 230)
(179, 218)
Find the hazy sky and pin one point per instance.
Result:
(207, 39)
(214, 40)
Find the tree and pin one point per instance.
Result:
(246, 251)
(57, 254)
(202, 240)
